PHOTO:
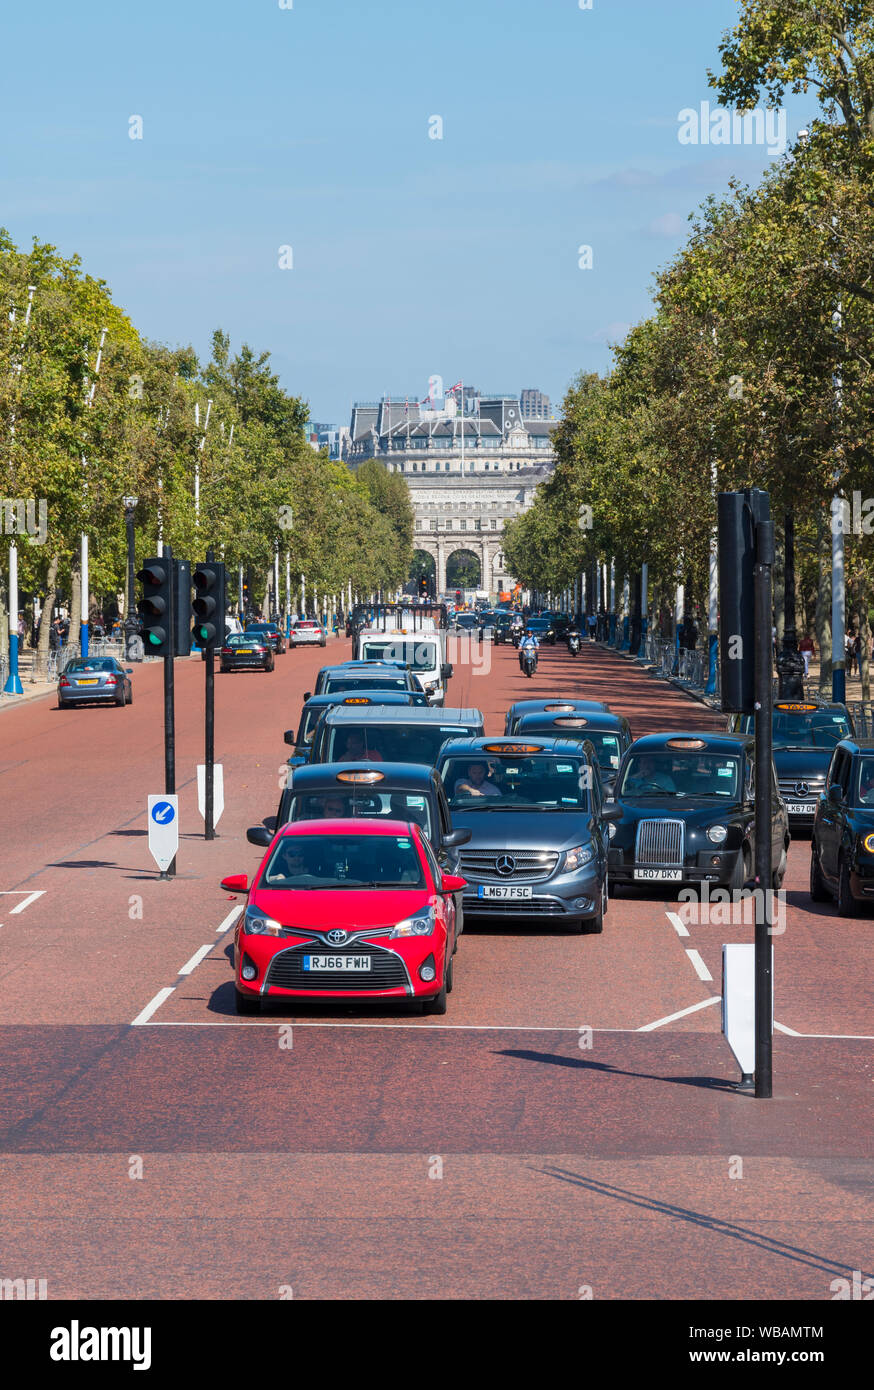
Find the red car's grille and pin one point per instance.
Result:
(386, 970)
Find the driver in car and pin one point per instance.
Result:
(866, 783)
(476, 782)
(649, 774)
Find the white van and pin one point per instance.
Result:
(424, 651)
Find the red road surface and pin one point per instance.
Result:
(563, 1164)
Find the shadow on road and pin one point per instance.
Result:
(704, 1083)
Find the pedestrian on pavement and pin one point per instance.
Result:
(808, 651)
(850, 651)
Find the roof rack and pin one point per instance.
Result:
(407, 614)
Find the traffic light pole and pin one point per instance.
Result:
(209, 751)
(169, 699)
(762, 578)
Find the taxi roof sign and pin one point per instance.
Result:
(576, 722)
(360, 776)
(685, 743)
(513, 748)
(795, 708)
(551, 708)
(357, 700)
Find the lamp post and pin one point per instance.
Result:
(132, 644)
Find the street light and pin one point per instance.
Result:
(133, 645)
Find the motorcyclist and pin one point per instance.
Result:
(529, 643)
(516, 626)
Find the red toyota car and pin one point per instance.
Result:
(346, 909)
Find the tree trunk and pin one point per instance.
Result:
(41, 658)
(824, 602)
(75, 636)
(780, 592)
(268, 585)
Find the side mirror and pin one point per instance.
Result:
(290, 737)
(259, 835)
(446, 671)
(237, 883)
(457, 837)
(836, 793)
(307, 695)
(611, 812)
(452, 883)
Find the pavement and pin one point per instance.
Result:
(570, 1123)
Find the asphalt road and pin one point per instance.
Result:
(571, 1123)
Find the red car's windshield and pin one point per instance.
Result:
(343, 861)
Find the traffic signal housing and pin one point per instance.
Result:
(210, 581)
(738, 516)
(155, 607)
(182, 610)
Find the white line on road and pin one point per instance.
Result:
(781, 1028)
(229, 920)
(16, 892)
(159, 999)
(693, 1008)
(677, 923)
(196, 959)
(700, 968)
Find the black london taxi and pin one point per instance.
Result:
(387, 733)
(842, 848)
(610, 734)
(538, 848)
(351, 676)
(556, 704)
(687, 812)
(301, 739)
(805, 735)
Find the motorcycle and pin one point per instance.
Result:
(573, 643)
(517, 636)
(529, 663)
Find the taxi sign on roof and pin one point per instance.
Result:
(360, 776)
(576, 723)
(357, 700)
(513, 748)
(551, 708)
(686, 743)
(795, 709)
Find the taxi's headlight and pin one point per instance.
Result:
(868, 844)
(257, 923)
(716, 834)
(420, 924)
(611, 829)
(579, 857)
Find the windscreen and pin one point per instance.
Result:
(862, 789)
(96, 663)
(352, 801)
(814, 729)
(391, 743)
(608, 749)
(335, 685)
(540, 782)
(421, 656)
(343, 861)
(678, 774)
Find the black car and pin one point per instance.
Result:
(367, 675)
(543, 630)
(688, 814)
(301, 740)
(805, 736)
(467, 622)
(556, 704)
(391, 734)
(561, 623)
(503, 626)
(271, 631)
(609, 734)
(246, 651)
(842, 848)
(539, 840)
(396, 791)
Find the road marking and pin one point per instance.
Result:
(229, 920)
(196, 959)
(781, 1028)
(693, 1008)
(159, 999)
(700, 968)
(31, 898)
(677, 923)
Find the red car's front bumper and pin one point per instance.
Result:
(392, 972)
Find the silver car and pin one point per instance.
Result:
(95, 679)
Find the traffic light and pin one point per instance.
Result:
(209, 602)
(738, 515)
(182, 611)
(154, 608)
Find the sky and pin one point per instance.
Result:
(311, 125)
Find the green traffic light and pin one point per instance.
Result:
(155, 638)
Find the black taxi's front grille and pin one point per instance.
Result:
(286, 970)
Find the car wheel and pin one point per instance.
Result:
(247, 1005)
(449, 977)
(437, 1005)
(847, 905)
(740, 873)
(818, 890)
(130, 696)
(324, 642)
(593, 926)
(780, 872)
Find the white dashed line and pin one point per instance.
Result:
(159, 999)
(677, 923)
(229, 920)
(196, 959)
(693, 1008)
(700, 968)
(28, 898)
